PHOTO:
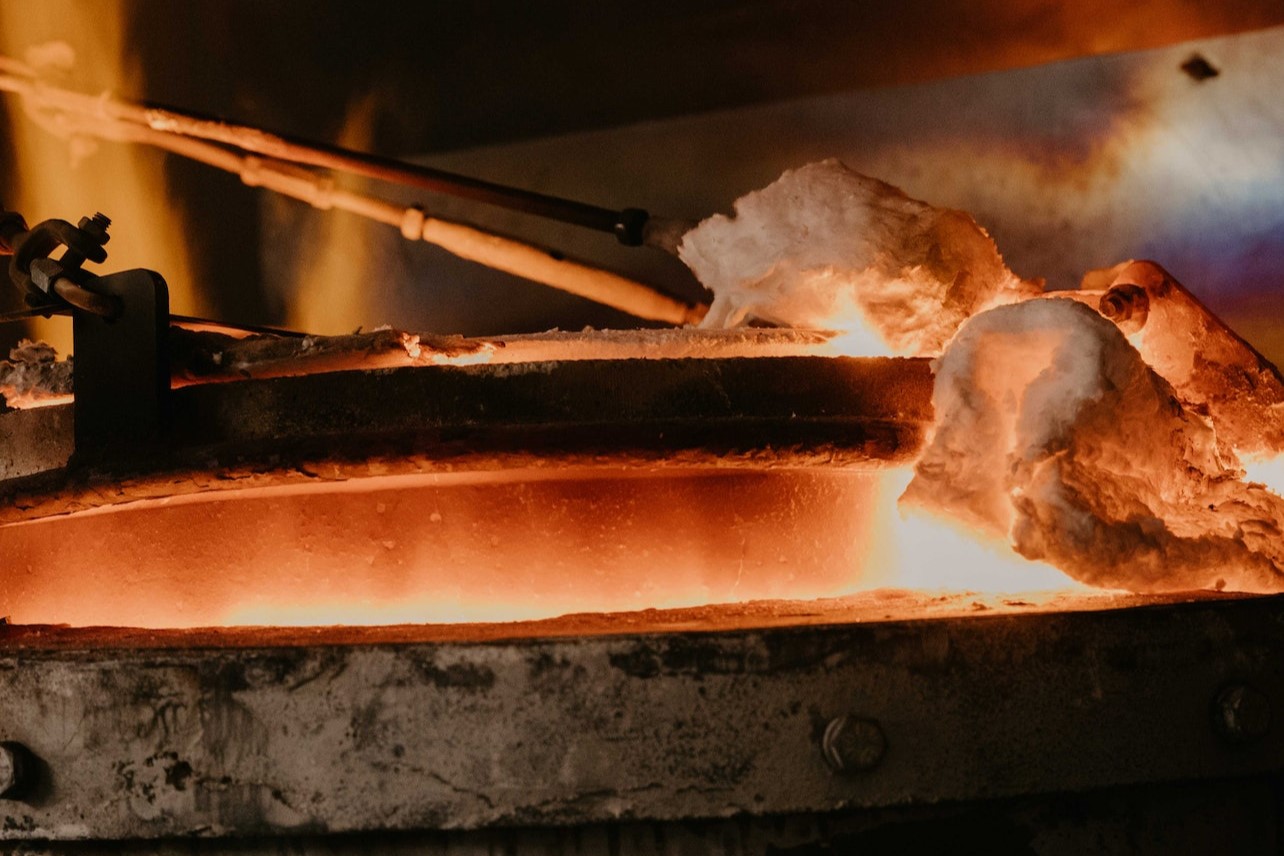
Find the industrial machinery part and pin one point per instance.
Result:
(119, 329)
(280, 731)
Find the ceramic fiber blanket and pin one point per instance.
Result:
(827, 248)
(1053, 432)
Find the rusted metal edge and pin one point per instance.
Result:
(865, 607)
(335, 738)
(796, 411)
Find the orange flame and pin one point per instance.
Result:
(76, 178)
(922, 551)
(331, 289)
(1266, 470)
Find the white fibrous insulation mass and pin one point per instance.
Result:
(1052, 431)
(824, 247)
(1215, 372)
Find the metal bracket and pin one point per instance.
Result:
(121, 378)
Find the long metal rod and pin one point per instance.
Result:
(124, 122)
(87, 300)
(191, 322)
(15, 315)
(187, 322)
(628, 224)
(467, 242)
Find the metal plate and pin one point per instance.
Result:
(121, 377)
(153, 741)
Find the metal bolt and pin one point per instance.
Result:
(1126, 305)
(96, 227)
(853, 744)
(97, 223)
(1241, 714)
(13, 769)
(44, 272)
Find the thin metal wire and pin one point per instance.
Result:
(203, 140)
(191, 321)
(16, 315)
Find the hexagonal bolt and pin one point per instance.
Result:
(96, 226)
(1241, 714)
(14, 768)
(853, 744)
(1126, 305)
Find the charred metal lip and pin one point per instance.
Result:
(883, 607)
(655, 723)
(806, 411)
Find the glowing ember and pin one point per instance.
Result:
(914, 550)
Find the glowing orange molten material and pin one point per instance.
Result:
(506, 544)
(462, 547)
(489, 547)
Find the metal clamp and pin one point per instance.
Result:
(119, 332)
(53, 283)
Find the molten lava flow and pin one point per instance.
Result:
(496, 546)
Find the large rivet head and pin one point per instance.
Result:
(1241, 714)
(853, 744)
(14, 770)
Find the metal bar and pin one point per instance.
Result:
(129, 123)
(17, 315)
(86, 300)
(627, 224)
(191, 322)
(842, 411)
